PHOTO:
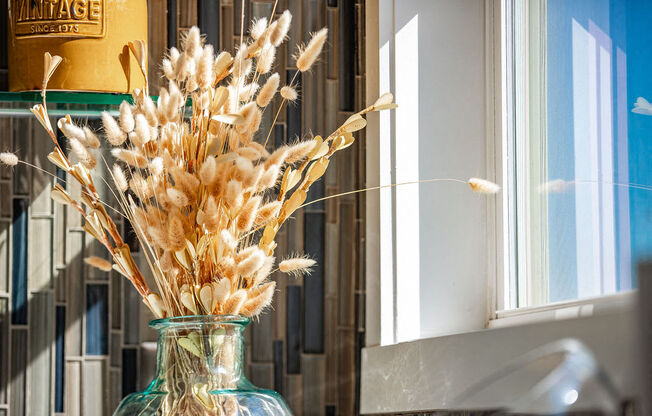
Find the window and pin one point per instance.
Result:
(445, 267)
(579, 143)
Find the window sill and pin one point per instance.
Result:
(557, 311)
(428, 374)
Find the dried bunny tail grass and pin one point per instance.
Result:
(233, 195)
(205, 75)
(176, 238)
(185, 67)
(264, 271)
(221, 63)
(98, 263)
(177, 197)
(119, 178)
(142, 131)
(309, 54)
(259, 298)
(90, 139)
(249, 152)
(234, 303)
(70, 130)
(289, 93)
(140, 186)
(126, 117)
(268, 90)
(252, 263)
(278, 156)
(207, 171)
(248, 214)
(243, 169)
(298, 151)
(82, 153)
(8, 158)
(209, 216)
(191, 42)
(113, 133)
(268, 211)
(266, 59)
(483, 186)
(280, 31)
(269, 178)
(168, 69)
(258, 27)
(297, 266)
(130, 157)
(149, 109)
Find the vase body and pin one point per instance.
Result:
(200, 371)
(91, 36)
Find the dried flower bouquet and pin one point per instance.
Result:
(204, 198)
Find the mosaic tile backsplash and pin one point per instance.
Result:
(75, 340)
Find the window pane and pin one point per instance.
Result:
(587, 137)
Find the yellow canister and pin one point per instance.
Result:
(91, 36)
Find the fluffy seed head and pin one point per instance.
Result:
(268, 90)
(114, 134)
(126, 117)
(205, 75)
(266, 59)
(8, 158)
(84, 156)
(98, 263)
(258, 27)
(119, 178)
(289, 93)
(483, 186)
(90, 139)
(309, 54)
(296, 266)
(130, 157)
(280, 31)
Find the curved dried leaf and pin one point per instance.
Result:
(384, 99)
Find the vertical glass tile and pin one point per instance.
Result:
(22, 130)
(132, 309)
(116, 300)
(293, 329)
(279, 135)
(278, 366)
(294, 109)
(116, 350)
(313, 301)
(94, 388)
(237, 16)
(97, 319)
(172, 23)
(4, 256)
(18, 368)
(346, 56)
(4, 350)
(129, 370)
(5, 199)
(41, 341)
(19, 263)
(316, 191)
(59, 365)
(208, 14)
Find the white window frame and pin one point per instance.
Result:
(449, 364)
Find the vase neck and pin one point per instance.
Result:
(201, 353)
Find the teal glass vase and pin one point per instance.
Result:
(200, 370)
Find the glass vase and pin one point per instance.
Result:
(200, 370)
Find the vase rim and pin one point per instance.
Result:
(199, 319)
